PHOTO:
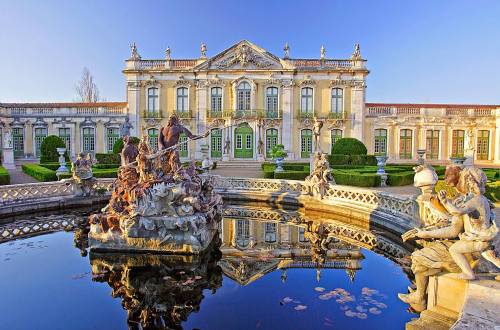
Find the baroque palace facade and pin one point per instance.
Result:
(250, 100)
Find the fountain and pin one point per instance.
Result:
(156, 204)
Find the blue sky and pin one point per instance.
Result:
(418, 51)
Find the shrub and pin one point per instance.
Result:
(109, 158)
(278, 151)
(4, 176)
(118, 146)
(105, 166)
(338, 159)
(352, 178)
(371, 160)
(400, 179)
(349, 146)
(493, 191)
(106, 173)
(291, 175)
(39, 172)
(53, 166)
(48, 149)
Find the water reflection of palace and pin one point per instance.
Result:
(161, 291)
(252, 249)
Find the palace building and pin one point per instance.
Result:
(251, 100)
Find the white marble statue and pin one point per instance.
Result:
(8, 139)
(447, 246)
(318, 125)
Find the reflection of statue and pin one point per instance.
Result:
(158, 291)
(321, 176)
(318, 124)
(125, 127)
(8, 139)
(470, 228)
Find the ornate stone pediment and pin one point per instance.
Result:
(248, 270)
(182, 82)
(243, 55)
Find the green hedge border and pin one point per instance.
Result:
(44, 173)
(4, 176)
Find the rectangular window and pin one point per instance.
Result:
(88, 140)
(270, 232)
(305, 143)
(405, 144)
(302, 237)
(153, 138)
(65, 135)
(432, 144)
(153, 100)
(380, 142)
(18, 141)
(248, 141)
(483, 144)
(336, 135)
(40, 135)
(216, 143)
(183, 145)
(112, 135)
(216, 99)
(457, 143)
(182, 99)
(239, 141)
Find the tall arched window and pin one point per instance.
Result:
(457, 143)
(18, 141)
(40, 135)
(380, 142)
(306, 101)
(336, 134)
(112, 135)
(88, 139)
(305, 143)
(270, 232)
(271, 140)
(153, 138)
(272, 102)
(242, 232)
(182, 99)
(216, 99)
(216, 143)
(337, 106)
(432, 144)
(243, 92)
(65, 135)
(405, 144)
(483, 144)
(153, 100)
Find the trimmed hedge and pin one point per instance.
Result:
(4, 176)
(42, 173)
(52, 166)
(48, 149)
(353, 178)
(105, 166)
(108, 158)
(400, 179)
(39, 172)
(349, 146)
(118, 146)
(355, 160)
(291, 175)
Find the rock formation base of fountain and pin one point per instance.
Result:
(157, 205)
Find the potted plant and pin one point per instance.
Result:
(278, 153)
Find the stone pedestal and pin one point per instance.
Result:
(8, 158)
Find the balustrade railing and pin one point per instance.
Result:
(70, 111)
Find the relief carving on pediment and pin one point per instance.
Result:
(244, 55)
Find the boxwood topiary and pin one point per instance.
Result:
(118, 146)
(349, 146)
(48, 149)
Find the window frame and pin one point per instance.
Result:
(309, 101)
(334, 105)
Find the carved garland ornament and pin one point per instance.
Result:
(244, 55)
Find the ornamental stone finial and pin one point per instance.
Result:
(356, 55)
(134, 55)
(167, 53)
(203, 50)
(287, 51)
(322, 52)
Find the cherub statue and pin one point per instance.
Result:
(471, 229)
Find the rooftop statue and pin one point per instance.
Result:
(156, 203)
(460, 229)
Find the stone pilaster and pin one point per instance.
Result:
(200, 115)
(287, 118)
(134, 111)
(357, 114)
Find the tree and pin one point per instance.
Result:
(86, 88)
